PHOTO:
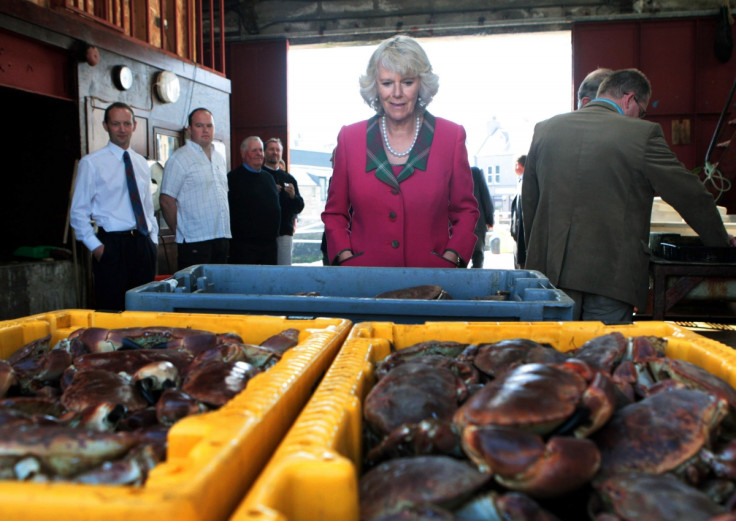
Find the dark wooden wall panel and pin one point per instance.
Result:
(668, 60)
(258, 105)
(688, 83)
(611, 45)
(713, 79)
(32, 66)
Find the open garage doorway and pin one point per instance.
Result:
(498, 87)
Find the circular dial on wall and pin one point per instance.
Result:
(122, 77)
(167, 86)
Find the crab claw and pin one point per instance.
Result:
(522, 461)
(429, 436)
(693, 377)
(96, 340)
(283, 341)
(723, 461)
(153, 378)
(31, 351)
(47, 367)
(215, 383)
(103, 417)
(132, 469)
(7, 377)
(174, 405)
(600, 399)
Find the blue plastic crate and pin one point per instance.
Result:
(348, 292)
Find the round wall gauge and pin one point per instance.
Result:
(122, 77)
(167, 86)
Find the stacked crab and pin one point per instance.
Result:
(515, 430)
(96, 407)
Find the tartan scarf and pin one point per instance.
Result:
(377, 160)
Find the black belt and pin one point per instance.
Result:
(124, 233)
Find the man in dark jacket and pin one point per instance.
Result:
(517, 221)
(289, 198)
(485, 220)
(255, 213)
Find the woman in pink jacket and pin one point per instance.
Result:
(401, 192)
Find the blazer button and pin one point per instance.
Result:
(394, 191)
(395, 244)
(392, 216)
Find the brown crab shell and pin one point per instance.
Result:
(448, 349)
(424, 292)
(603, 352)
(65, 450)
(634, 496)
(424, 512)
(33, 405)
(410, 393)
(399, 483)
(45, 368)
(693, 377)
(533, 397)
(497, 359)
(96, 340)
(93, 387)
(257, 356)
(660, 432)
(215, 383)
(130, 362)
(467, 372)
(31, 350)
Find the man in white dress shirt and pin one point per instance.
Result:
(194, 196)
(124, 247)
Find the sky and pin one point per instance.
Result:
(517, 79)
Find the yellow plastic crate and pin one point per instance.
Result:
(314, 473)
(212, 458)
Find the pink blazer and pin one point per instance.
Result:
(406, 223)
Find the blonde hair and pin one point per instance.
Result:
(402, 55)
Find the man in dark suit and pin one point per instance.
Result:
(485, 220)
(589, 182)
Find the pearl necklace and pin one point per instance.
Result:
(388, 145)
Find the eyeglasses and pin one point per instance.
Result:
(642, 110)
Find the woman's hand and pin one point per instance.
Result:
(452, 257)
(344, 255)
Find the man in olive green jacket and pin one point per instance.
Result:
(589, 182)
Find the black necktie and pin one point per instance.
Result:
(135, 197)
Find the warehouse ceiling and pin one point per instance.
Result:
(331, 21)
